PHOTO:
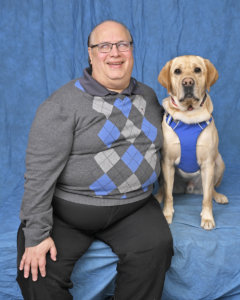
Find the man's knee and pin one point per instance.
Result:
(47, 288)
(156, 245)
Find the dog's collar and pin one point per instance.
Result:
(173, 102)
(203, 100)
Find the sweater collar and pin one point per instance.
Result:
(94, 88)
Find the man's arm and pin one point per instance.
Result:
(49, 146)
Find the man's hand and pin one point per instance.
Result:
(35, 257)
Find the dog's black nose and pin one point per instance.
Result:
(188, 81)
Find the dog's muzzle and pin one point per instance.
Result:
(188, 86)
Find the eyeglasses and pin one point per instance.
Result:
(107, 47)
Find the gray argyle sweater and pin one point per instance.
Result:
(91, 146)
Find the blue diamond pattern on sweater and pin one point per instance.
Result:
(103, 186)
(132, 158)
(79, 86)
(124, 105)
(109, 133)
(150, 181)
(149, 130)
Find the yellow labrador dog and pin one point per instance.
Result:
(190, 138)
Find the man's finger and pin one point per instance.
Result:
(26, 269)
(42, 267)
(22, 262)
(53, 252)
(34, 270)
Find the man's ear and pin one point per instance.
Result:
(212, 74)
(90, 55)
(164, 76)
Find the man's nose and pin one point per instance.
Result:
(114, 51)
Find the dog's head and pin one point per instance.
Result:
(187, 78)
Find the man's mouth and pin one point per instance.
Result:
(115, 63)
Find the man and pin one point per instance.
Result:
(91, 162)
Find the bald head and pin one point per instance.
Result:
(106, 24)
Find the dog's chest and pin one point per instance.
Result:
(188, 135)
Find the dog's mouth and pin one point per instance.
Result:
(189, 101)
(190, 108)
(188, 93)
(189, 96)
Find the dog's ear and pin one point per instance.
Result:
(164, 76)
(212, 74)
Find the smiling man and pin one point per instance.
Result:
(92, 159)
(111, 67)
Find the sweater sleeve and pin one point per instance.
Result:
(49, 146)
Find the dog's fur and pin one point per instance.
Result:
(186, 79)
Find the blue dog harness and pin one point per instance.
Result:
(188, 135)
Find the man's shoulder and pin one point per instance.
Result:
(68, 93)
(144, 89)
(64, 89)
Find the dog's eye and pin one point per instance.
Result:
(177, 71)
(197, 70)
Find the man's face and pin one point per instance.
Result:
(113, 70)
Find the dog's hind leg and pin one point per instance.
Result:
(219, 198)
(219, 170)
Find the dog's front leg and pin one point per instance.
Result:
(168, 176)
(207, 174)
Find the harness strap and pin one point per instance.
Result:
(188, 135)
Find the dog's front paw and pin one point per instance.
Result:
(220, 198)
(207, 224)
(207, 221)
(168, 214)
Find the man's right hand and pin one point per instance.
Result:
(35, 257)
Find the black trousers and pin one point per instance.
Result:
(138, 233)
